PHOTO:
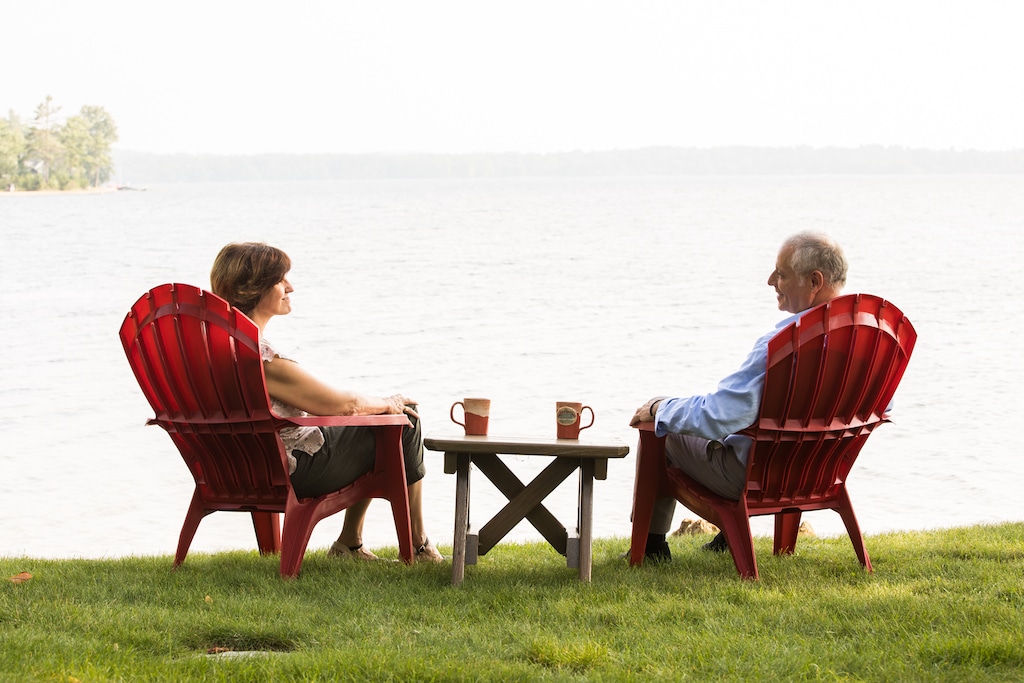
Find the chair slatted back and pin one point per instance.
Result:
(830, 377)
(198, 363)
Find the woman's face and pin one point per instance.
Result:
(275, 301)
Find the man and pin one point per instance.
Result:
(701, 430)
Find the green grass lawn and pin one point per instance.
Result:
(940, 606)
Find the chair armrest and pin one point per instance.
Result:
(644, 426)
(349, 420)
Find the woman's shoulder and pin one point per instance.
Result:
(267, 351)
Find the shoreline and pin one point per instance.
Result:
(47, 193)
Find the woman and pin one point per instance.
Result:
(252, 277)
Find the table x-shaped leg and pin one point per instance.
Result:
(525, 502)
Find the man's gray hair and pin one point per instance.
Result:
(817, 251)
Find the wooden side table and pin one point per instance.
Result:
(525, 501)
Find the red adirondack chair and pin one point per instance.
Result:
(830, 377)
(197, 360)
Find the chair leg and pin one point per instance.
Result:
(845, 510)
(643, 510)
(268, 532)
(298, 527)
(403, 524)
(736, 528)
(650, 471)
(787, 527)
(195, 514)
(389, 466)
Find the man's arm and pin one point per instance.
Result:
(733, 406)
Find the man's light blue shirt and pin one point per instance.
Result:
(731, 407)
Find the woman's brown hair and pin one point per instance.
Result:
(243, 272)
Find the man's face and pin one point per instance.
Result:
(794, 293)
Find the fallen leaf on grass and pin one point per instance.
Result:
(20, 578)
(217, 650)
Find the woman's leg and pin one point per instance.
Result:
(350, 452)
(425, 550)
(350, 542)
(419, 533)
(352, 529)
(347, 454)
(415, 470)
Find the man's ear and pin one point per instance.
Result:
(817, 280)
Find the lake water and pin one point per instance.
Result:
(528, 291)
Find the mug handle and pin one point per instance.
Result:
(451, 413)
(591, 417)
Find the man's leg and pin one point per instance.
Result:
(714, 465)
(711, 463)
(678, 448)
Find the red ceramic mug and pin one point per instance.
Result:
(475, 413)
(568, 416)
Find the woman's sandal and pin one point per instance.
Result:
(428, 553)
(343, 552)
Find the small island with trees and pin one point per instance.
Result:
(55, 153)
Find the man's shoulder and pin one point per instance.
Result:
(780, 325)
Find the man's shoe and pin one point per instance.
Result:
(718, 544)
(655, 550)
(658, 552)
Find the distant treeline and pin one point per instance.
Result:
(55, 152)
(140, 168)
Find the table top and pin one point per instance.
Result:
(528, 445)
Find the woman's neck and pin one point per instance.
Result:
(260, 320)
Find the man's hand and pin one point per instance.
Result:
(647, 411)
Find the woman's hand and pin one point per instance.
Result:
(398, 405)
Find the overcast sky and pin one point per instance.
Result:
(344, 76)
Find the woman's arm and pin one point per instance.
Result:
(289, 383)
